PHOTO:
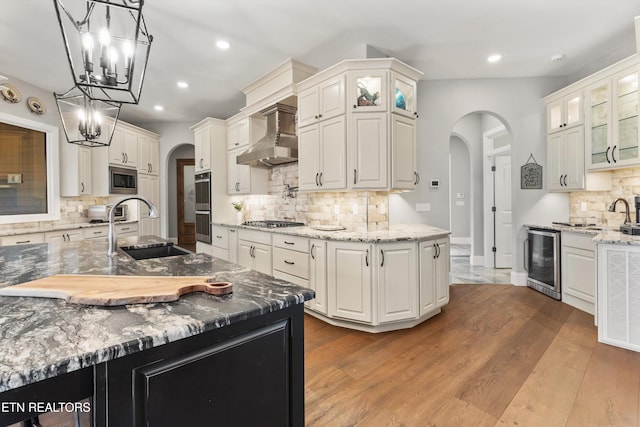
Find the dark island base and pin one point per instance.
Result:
(246, 373)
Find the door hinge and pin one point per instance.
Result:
(493, 168)
(493, 208)
(493, 249)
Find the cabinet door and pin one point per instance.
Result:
(262, 261)
(368, 91)
(233, 245)
(22, 239)
(154, 157)
(202, 149)
(369, 151)
(397, 281)
(625, 127)
(130, 148)
(84, 171)
(404, 166)
(574, 158)
(333, 154)
(556, 160)
(116, 149)
(565, 113)
(404, 96)
(598, 125)
(427, 277)
(243, 173)
(331, 97)
(245, 250)
(149, 188)
(232, 172)
(318, 276)
(578, 276)
(63, 236)
(308, 104)
(442, 272)
(349, 267)
(309, 158)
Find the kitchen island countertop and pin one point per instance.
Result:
(41, 338)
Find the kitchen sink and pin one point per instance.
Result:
(154, 251)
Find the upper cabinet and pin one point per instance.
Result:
(202, 150)
(241, 133)
(375, 113)
(238, 134)
(76, 172)
(123, 150)
(148, 155)
(565, 112)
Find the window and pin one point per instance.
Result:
(28, 166)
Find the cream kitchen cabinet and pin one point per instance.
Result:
(369, 151)
(202, 149)
(209, 135)
(238, 134)
(404, 162)
(405, 96)
(123, 150)
(434, 274)
(254, 250)
(76, 171)
(397, 273)
(127, 230)
(318, 276)
(349, 281)
(148, 155)
(239, 177)
(321, 102)
(322, 155)
(22, 239)
(367, 90)
(578, 270)
(64, 236)
(618, 311)
(149, 187)
(225, 242)
(291, 259)
(243, 179)
(613, 121)
(565, 112)
(565, 156)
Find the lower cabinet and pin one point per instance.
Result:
(64, 236)
(578, 271)
(254, 250)
(434, 274)
(318, 276)
(349, 286)
(618, 312)
(22, 239)
(397, 281)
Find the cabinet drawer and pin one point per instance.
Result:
(291, 262)
(578, 240)
(290, 278)
(96, 233)
(22, 239)
(296, 243)
(254, 236)
(220, 236)
(127, 228)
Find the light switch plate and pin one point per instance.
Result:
(583, 206)
(14, 178)
(423, 207)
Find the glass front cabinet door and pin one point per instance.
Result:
(368, 90)
(598, 129)
(625, 143)
(404, 96)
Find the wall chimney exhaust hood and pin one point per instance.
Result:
(280, 145)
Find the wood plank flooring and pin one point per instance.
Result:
(497, 355)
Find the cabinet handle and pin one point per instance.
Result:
(382, 255)
(126, 158)
(317, 184)
(438, 246)
(97, 232)
(251, 251)
(289, 262)
(219, 237)
(366, 258)
(125, 229)
(311, 251)
(123, 159)
(236, 144)
(289, 243)
(415, 174)
(435, 251)
(320, 115)
(613, 157)
(606, 154)
(320, 179)
(315, 117)
(232, 231)
(560, 180)
(64, 239)
(355, 176)
(82, 187)
(23, 241)
(68, 238)
(526, 258)
(565, 180)
(200, 163)
(355, 106)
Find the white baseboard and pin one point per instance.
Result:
(519, 279)
(460, 240)
(477, 260)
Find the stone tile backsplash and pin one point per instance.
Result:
(347, 209)
(625, 183)
(73, 210)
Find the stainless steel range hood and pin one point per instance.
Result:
(280, 145)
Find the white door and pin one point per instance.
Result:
(503, 214)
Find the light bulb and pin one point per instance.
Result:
(104, 37)
(113, 60)
(127, 50)
(81, 115)
(97, 117)
(87, 41)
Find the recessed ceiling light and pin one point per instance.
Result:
(183, 85)
(558, 57)
(223, 44)
(158, 107)
(494, 58)
(4, 78)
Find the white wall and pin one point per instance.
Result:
(518, 102)
(460, 186)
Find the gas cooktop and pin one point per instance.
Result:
(273, 224)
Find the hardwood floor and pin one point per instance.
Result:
(497, 355)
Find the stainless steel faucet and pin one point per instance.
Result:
(612, 208)
(113, 246)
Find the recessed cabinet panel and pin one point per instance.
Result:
(397, 278)
(308, 157)
(404, 165)
(369, 151)
(349, 268)
(598, 137)
(627, 118)
(333, 154)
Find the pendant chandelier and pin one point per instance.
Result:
(107, 45)
(86, 121)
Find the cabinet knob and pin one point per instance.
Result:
(320, 115)
(315, 117)
(355, 106)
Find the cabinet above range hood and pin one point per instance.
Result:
(280, 145)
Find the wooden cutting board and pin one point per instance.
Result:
(116, 290)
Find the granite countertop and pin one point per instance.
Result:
(601, 235)
(57, 227)
(591, 230)
(395, 233)
(616, 238)
(41, 337)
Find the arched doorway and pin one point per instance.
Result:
(480, 160)
(180, 194)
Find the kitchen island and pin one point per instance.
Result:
(224, 360)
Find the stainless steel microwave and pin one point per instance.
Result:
(123, 180)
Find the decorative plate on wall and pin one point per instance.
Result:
(10, 93)
(36, 106)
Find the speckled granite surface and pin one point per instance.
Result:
(601, 235)
(42, 337)
(395, 233)
(583, 230)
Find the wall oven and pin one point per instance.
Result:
(542, 261)
(123, 180)
(203, 207)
